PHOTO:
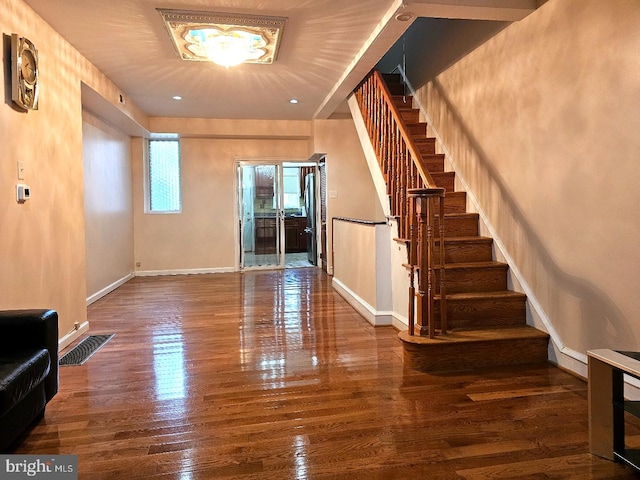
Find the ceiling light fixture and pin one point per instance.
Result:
(293, 101)
(223, 38)
(233, 48)
(177, 97)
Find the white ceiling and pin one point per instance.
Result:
(328, 46)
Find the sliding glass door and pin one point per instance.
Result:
(261, 215)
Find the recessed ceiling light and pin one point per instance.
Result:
(177, 97)
(293, 101)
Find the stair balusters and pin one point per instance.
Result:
(414, 198)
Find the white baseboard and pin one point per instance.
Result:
(72, 336)
(191, 271)
(371, 315)
(577, 363)
(400, 323)
(109, 288)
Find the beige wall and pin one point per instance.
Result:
(362, 271)
(203, 236)
(542, 122)
(42, 249)
(347, 172)
(354, 255)
(108, 205)
(348, 176)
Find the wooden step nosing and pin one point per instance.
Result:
(494, 334)
(472, 239)
(479, 296)
(476, 265)
(460, 216)
(448, 173)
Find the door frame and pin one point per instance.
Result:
(280, 163)
(239, 215)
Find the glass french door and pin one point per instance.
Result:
(261, 216)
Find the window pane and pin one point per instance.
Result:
(291, 187)
(164, 175)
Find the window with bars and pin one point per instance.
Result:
(164, 176)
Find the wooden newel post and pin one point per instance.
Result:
(412, 254)
(421, 215)
(443, 284)
(424, 216)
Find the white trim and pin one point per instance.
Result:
(192, 271)
(109, 288)
(384, 287)
(72, 336)
(400, 323)
(371, 315)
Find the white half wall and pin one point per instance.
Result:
(362, 268)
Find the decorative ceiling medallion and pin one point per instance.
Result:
(225, 38)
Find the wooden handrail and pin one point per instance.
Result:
(415, 154)
(414, 197)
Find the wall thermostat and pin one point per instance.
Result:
(22, 192)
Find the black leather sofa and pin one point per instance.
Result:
(28, 370)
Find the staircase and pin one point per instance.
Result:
(486, 322)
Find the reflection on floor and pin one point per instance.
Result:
(292, 260)
(297, 260)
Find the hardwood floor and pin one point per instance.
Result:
(271, 375)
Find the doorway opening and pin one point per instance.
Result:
(278, 215)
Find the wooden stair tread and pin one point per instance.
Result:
(454, 194)
(475, 336)
(471, 265)
(499, 294)
(453, 215)
(426, 143)
(451, 240)
(459, 215)
(400, 102)
(473, 239)
(465, 266)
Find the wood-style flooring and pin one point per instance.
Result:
(272, 375)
